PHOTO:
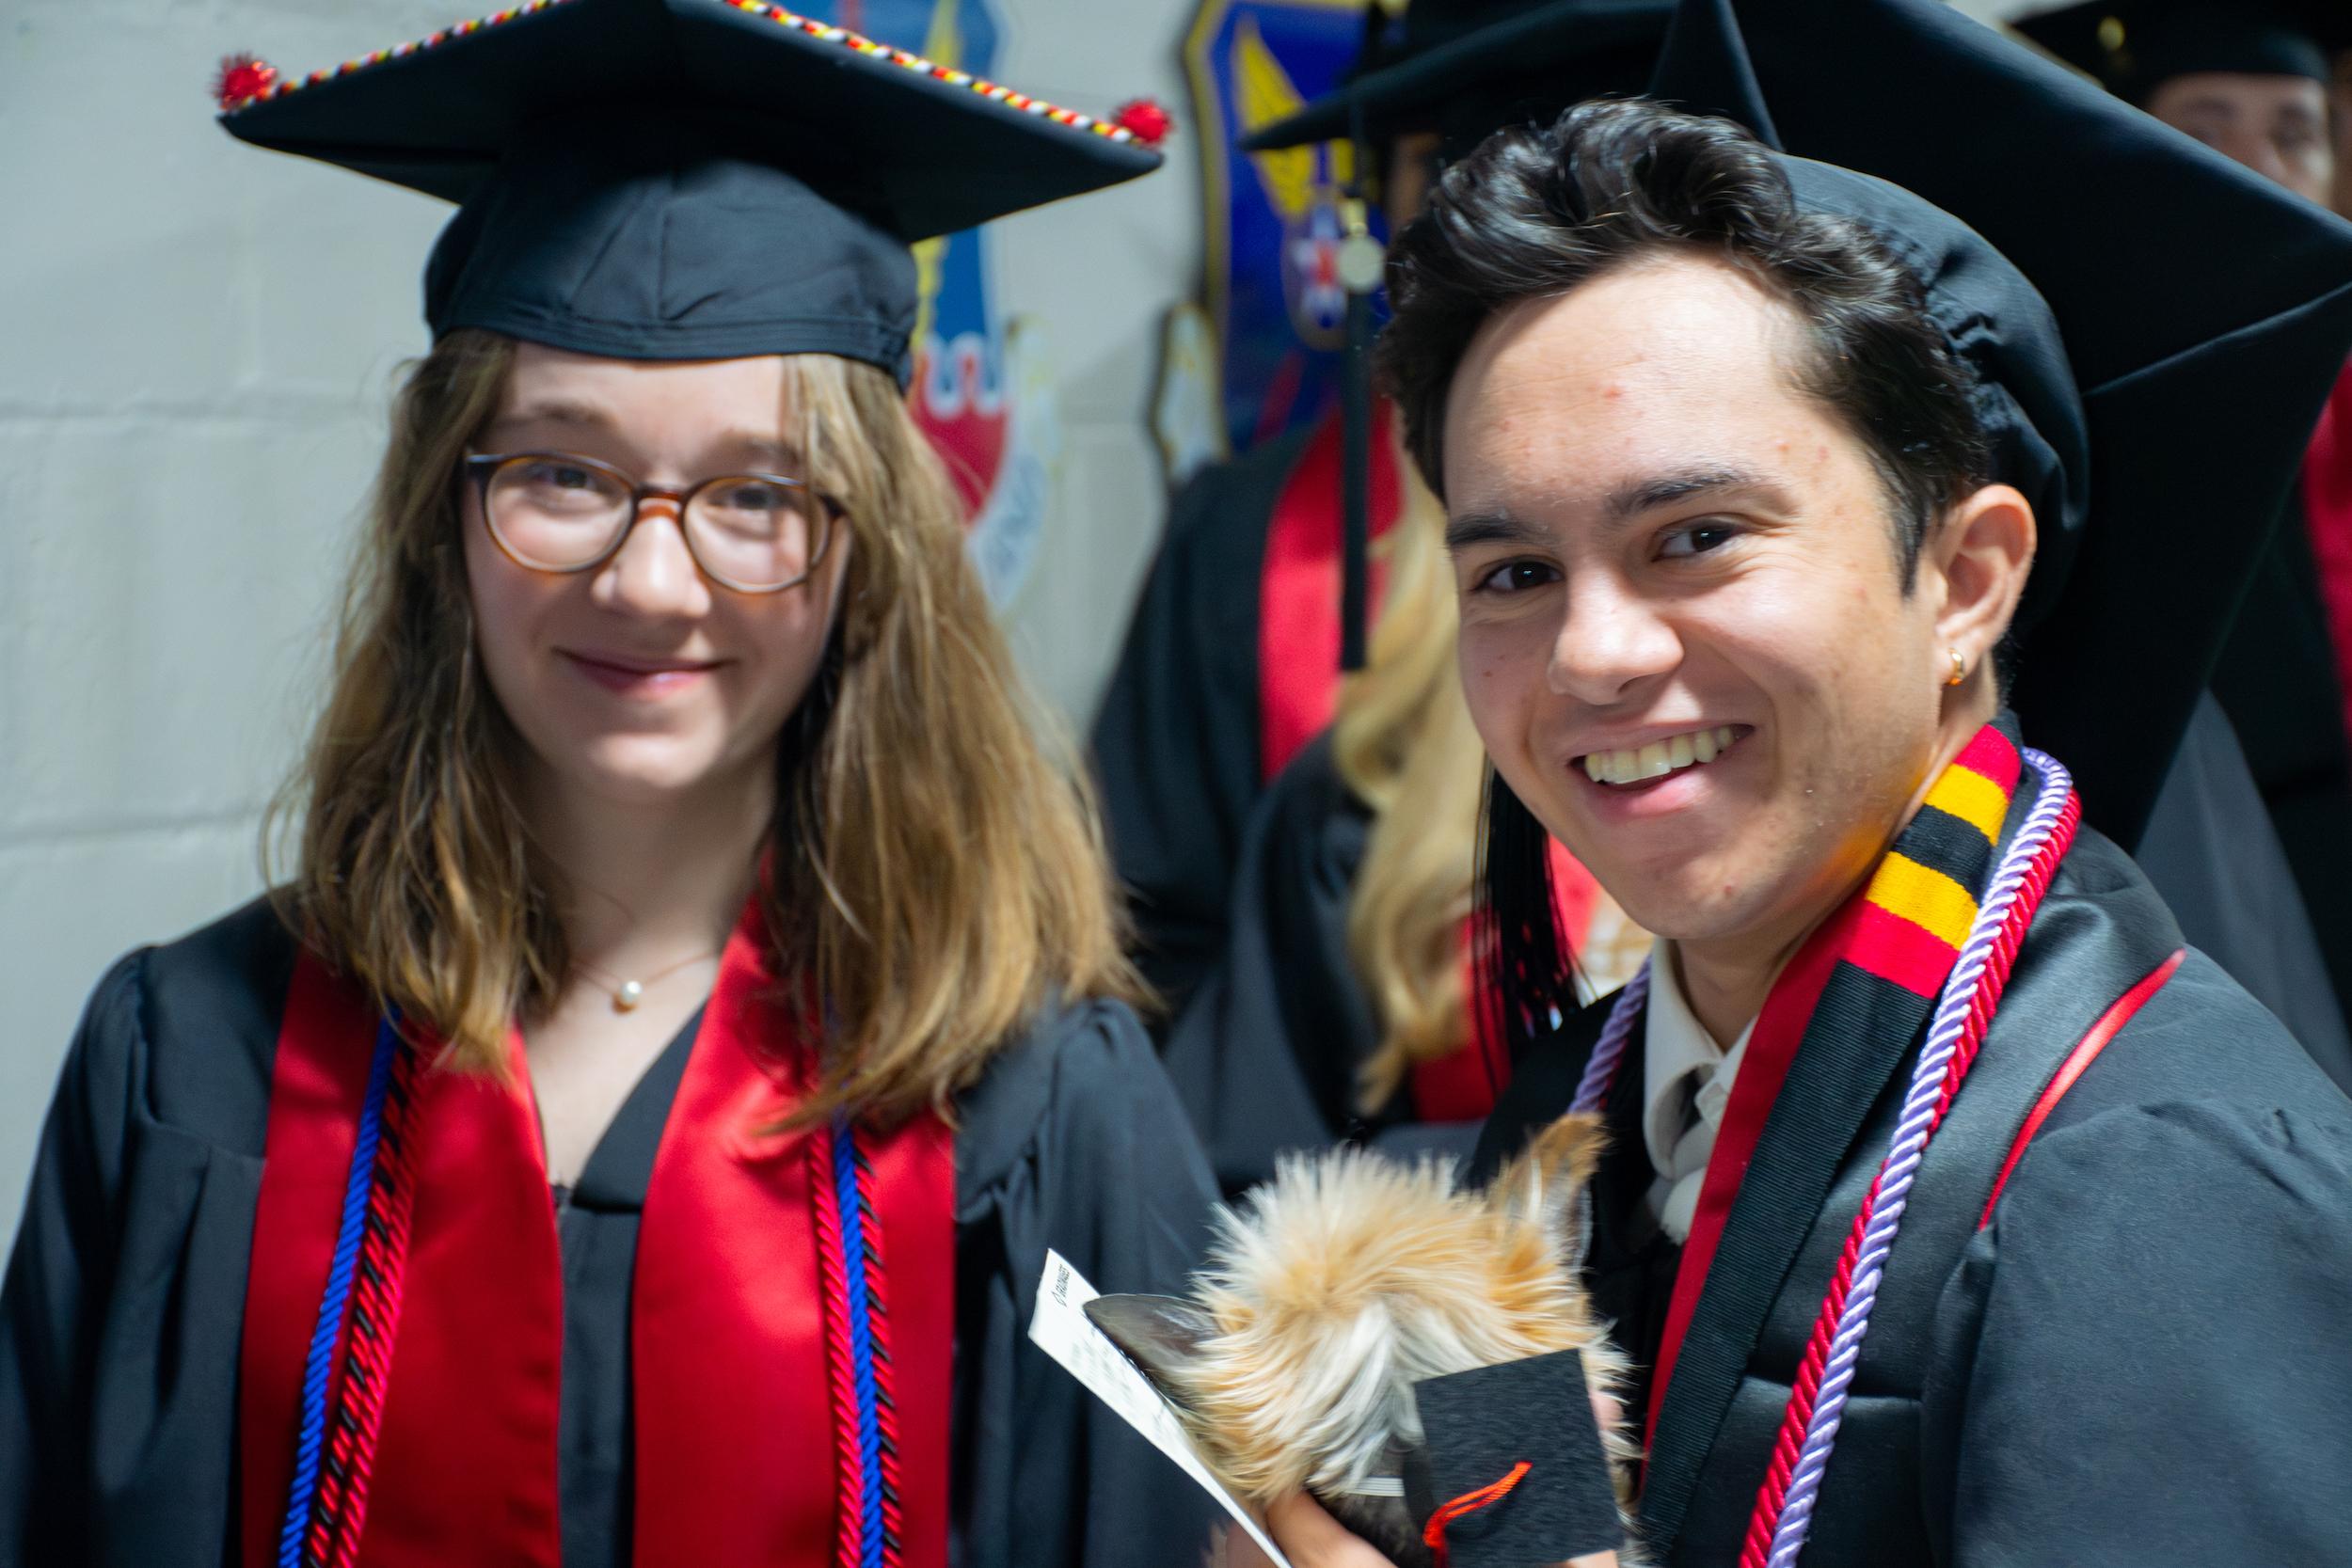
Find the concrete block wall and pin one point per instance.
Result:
(196, 345)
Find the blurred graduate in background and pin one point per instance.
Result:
(1319, 961)
(1233, 661)
(2251, 79)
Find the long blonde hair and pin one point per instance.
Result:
(935, 867)
(1403, 742)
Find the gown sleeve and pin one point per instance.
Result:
(2276, 679)
(61, 1275)
(122, 1309)
(1077, 1144)
(2211, 852)
(2143, 1359)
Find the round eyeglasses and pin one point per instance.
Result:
(554, 512)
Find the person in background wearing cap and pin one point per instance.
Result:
(1342, 1004)
(1231, 665)
(635, 1129)
(2251, 79)
(1958, 1212)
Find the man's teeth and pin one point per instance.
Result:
(1659, 757)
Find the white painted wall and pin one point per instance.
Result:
(197, 344)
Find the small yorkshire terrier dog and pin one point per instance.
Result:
(1341, 1283)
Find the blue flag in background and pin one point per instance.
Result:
(1271, 222)
(992, 424)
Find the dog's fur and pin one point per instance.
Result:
(1348, 1279)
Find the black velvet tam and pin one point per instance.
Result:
(686, 179)
(1517, 61)
(2155, 328)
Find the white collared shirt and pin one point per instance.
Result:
(1686, 1084)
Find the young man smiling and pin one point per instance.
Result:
(1692, 637)
(1958, 1211)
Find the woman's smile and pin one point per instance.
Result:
(631, 675)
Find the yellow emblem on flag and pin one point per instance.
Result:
(1263, 93)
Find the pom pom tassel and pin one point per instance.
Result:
(1145, 120)
(242, 78)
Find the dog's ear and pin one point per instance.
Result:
(1161, 1334)
(1546, 1185)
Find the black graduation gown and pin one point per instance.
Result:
(120, 1317)
(1265, 1054)
(2277, 680)
(1176, 739)
(2212, 852)
(2140, 1360)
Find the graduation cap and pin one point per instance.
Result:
(1463, 68)
(2135, 46)
(1435, 1495)
(2149, 383)
(1395, 33)
(683, 179)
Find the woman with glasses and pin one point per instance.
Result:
(634, 1129)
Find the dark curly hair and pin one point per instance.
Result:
(1538, 210)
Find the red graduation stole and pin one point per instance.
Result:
(1298, 589)
(1905, 928)
(2327, 515)
(770, 1365)
(1464, 1084)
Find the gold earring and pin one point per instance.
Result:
(1959, 668)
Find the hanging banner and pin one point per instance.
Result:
(1271, 221)
(981, 391)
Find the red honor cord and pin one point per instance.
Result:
(1433, 1533)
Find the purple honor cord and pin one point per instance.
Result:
(1906, 1149)
(1609, 1050)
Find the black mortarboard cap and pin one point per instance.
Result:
(2134, 46)
(682, 178)
(1477, 1428)
(1464, 69)
(2200, 352)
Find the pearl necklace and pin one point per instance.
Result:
(628, 993)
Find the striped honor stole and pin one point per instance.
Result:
(1916, 912)
(1864, 984)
